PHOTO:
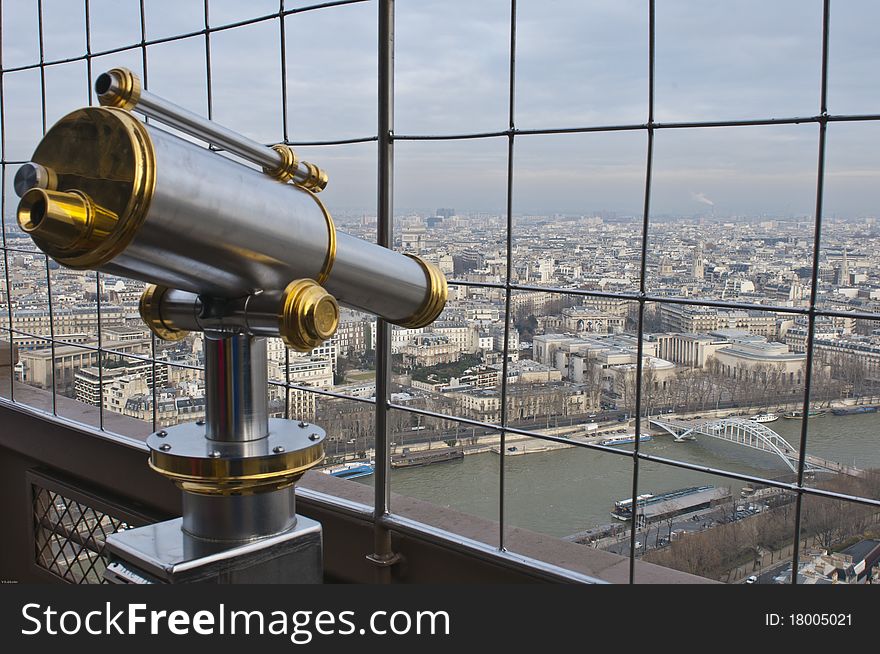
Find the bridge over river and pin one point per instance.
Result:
(755, 435)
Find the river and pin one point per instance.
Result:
(565, 491)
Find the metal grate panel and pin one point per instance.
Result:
(69, 530)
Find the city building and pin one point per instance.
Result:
(35, 367)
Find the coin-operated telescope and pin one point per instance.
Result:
(237, 253)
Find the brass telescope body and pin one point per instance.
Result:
(238, 253)
(136, 201)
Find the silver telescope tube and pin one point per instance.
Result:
(134, 200)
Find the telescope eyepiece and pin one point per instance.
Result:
(304, 174)
(103, 83)
(65, 219)
(31, 214)
(118, 87)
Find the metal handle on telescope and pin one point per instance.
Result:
(119, 87)
(303, 315)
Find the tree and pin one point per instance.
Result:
(693, 553)
(526, 325)
(824, 519)
(761, 374)
(652, 318)
(626, 384)
(649, 386)
(831, 521)
(343, 365)
(779, 383)
(850, 369)
(593, 379)
(823, 387)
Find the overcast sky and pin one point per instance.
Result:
(578, 63)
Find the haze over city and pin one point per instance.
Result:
(578, 65)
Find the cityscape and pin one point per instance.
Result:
(714, 377)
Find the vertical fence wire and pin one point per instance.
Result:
(384, 237)
(209, 89)
(8, 329)
(814, 277)
(511, 105)
(643, 269)
(46, 257)
(153, 340)
(283, 38)
(384, 227)
(285, 129)
(98, 284)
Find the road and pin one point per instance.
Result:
(658, 534)
(769, 574)
(464, 431)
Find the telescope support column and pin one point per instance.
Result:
(237, 418)
(236, 380)
(237, 470)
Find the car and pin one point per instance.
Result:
(751, 579)
(638, 544)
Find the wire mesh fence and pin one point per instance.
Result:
(213, 33)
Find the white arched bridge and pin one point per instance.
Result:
(754, 435)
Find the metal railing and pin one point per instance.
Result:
(385, 138)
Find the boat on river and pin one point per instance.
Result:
(765, 417)
(850, 410)
(350, 470)
(518, 450)
(798, 415)
(625, 440)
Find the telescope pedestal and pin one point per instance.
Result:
(163, 553)
(226, 250)
(237, 471)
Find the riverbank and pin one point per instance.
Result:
(578, 434)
